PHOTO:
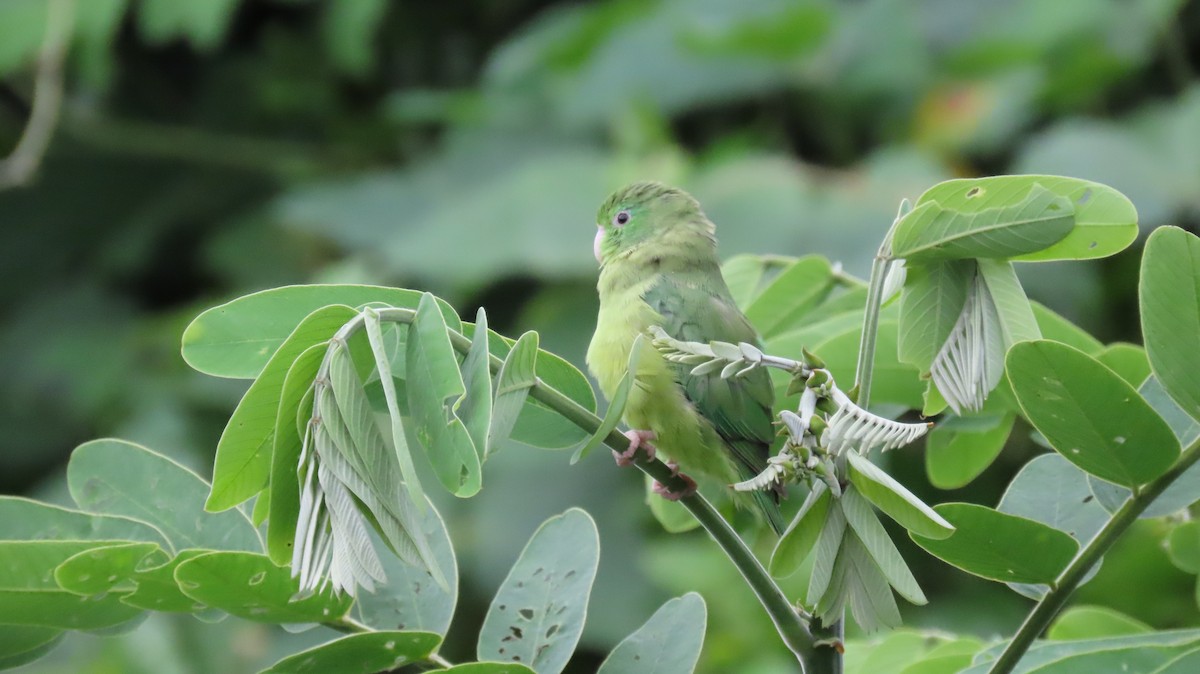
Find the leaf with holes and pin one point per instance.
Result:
(1169, 298)
(360, 654)
(435, 390)
(1105, 221)
(995, 545)
(30, 596)
(894, 500)
(237, 339)
(668, 643)
(537, 615)
(987, 218)
(1089, 414)
(115, 477)
(243, 461)
(250, 586)
(106, 569)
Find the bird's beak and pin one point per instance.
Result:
(597, 242)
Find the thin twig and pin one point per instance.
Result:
(20, 166)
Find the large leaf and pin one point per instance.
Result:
(537, 615)
(1017, 322)
(237, 339)
(435, 390)
(790, 295)
(408, 470)
(105, 569)
(1169, 298)
(21, 644)
(360, 654)
(994, 545)
(668, 643)
(1092, 622)
(1059, 329)
(879, 545)
(893, 381)
(989, 217)
(115, 477)
(1048, 652)
(251, 586)
(1105, 221)
(23, 519)
(295, 403)
(243, 462)
(960, 448)
(487, 668)
(893, 499)
(1090, 414)
(801, 535)
(933, 299)
(30, 596)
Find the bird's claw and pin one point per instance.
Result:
(637, 440)
(665, 491)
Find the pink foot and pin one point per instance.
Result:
(637, 440)
(665, 492)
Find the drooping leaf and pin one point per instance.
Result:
(879, 546)
(236, 339)
(995, 545)
(801, 535)
(408, 471)
(616, 407)
(360, 654)
(435, 390)
(983, 218)
(1089, 414)
(1105, 220)
(517, 374)
(243, 462)
(250, 586)
(933, 299)
(960, 448)
(1169, 299)
(30, 596)
(537, 615)
(866, 588)
(476, 409)
(824, 580)
(668, 643)
(970, 363)
(894, 500)
(1017, 321)
(115, 477)
(295, 402)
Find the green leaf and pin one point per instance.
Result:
(743, 274)
(537, 615)
(435, 390)
(487, 668)
(1050, 490)
(106, 569)
(942, 664)
(30, 596)
(1169, 299)
(360, 654)
(1089, 414)
(517, 375)
(668, 643)
(157, 590)
(1059, 329)
(204, 24)
(1127, 360)
(243, 462)
(410, 598)
(959, 448)
(295, 401)
(894, 381)
(383, 366)
(983, 218)
(1047, 652)
(22, 644)
(250, 586)
(893, 653)
(791, 295)
(616, 407)
(933, 298)
(237, 339)
(879, 546)
(801, 535)
(1131, 660)
(540, 426)
(994, 545)
(823, 580)
(1184, 546)
(348, 31)
(115, 477)
(1105, 221)
(476, 410)
(866, 588)
(1187, 663)
(23, 519)
(1017, 322)
(1091, 622)
(893, 499)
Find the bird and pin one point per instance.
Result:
(657, 252)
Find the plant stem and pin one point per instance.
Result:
(866, 351)
(787, 620)
(1045, 610)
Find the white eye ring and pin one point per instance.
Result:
(621, 218)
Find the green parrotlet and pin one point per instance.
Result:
(658, 266)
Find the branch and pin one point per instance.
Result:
(22, 164)
(1045, 610)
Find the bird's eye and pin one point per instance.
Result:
(621, 218)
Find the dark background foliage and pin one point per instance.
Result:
(209, 149)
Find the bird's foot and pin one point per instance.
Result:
(637, 440)
(665, 491)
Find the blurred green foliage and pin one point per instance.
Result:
(209, 149)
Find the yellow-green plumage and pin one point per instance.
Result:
(660, 267)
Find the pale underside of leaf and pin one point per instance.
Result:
(971, 361)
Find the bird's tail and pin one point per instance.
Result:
(768, 503)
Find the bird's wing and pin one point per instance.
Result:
(738, 408)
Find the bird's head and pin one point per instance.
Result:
(646, 213)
